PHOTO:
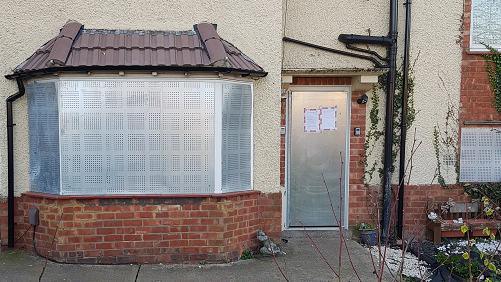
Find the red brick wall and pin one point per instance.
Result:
(477, 98)
(360, 197)
(418, 198)
(270, 214)
(3, 221)
(418, 201)
(147, 229)
(321, 80)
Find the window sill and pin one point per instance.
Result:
(477, 53)
(137, 196)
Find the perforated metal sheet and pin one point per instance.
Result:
(236, 137)
(480, 155)
(43, 137)
(134, 136)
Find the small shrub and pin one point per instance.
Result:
(247, 254)
(365, 226)
(452, 256)
(479, 190)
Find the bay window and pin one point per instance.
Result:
(140, 136)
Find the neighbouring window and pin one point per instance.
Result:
(480, 155)
(137, 136)
(485, 24)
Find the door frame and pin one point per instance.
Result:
(285, 195)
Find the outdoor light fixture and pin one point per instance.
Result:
(363, 99)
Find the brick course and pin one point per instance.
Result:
(155, 229)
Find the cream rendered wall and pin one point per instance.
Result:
(321, 21)
(253, 26)
(435, 35)
(435, 32)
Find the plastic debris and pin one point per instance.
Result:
(268, 246)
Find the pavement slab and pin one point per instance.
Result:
(302, 262)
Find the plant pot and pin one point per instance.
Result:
(368, 237)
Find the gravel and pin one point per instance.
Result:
(457, 246)
(413, 267)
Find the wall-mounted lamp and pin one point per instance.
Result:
(362, 99)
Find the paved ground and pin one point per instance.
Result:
(301, 263)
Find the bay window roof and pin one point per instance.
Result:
(76, 48)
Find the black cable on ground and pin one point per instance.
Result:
(137, 273)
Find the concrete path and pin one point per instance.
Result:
(302, 263)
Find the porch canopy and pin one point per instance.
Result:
(76, 48)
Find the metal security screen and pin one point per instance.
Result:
(43, 137)
(318, 137)
(94, 136)
(236, 137)
(480, 155)
(135, 136)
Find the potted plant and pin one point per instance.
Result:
(368, 234)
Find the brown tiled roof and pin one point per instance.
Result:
(77, 48)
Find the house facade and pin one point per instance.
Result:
(145, 134)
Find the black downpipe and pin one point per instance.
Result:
(403, 122)
(10, 160)
(388, 144)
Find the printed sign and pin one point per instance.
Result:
(328, 118)
(311, 120)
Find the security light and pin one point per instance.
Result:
(363, 99)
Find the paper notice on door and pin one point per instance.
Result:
(311, 120)
(328, 118)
